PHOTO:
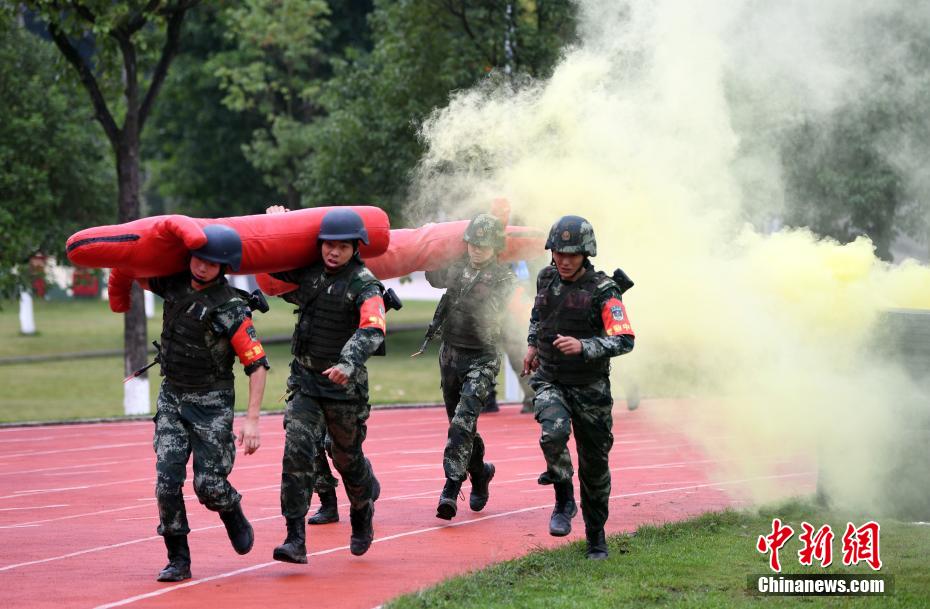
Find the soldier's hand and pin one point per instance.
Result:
(336, 375)
(249, 437)
(530, 361)
(567, 344)
(276, 209)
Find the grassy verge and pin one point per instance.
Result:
(91, 388)
(89, 325)
(699, 563)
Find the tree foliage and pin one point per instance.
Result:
(366, 146)
(56, 175)
(862, 169)
(194, 143)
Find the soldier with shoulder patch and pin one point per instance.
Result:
(206, 324)
(577, 324)
(471, 313)
(341, 322)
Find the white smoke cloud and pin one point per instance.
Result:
(643, 130)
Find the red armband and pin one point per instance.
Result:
(371, 314)
(615, 319)
(245, 343)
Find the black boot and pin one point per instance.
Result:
(329, 509)
(294, 548)
(239, 530)
(447, 500)
(597, 544)
(479, 489)
(179, 560)
(363, 532)
(560, 524)
(544, 479)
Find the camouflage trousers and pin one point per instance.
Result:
(200, 423)
(467, 378)
(325, 480)
(586, 408)
(306, 420)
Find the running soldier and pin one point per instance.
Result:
(471, 314)
(577, 324)
(340, 324)
(206, 324)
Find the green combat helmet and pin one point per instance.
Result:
(485, 230)
(572, 235)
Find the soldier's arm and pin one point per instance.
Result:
(616, 323)
(370, 332)
(234, 321)
(294, 276)
(439, 278)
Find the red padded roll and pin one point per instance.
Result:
(427, 248)
(160, 245)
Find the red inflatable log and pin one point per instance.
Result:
(160, 245)
(428, 248)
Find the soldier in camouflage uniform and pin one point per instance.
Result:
(340, 324)
(206, 323)
(577, 324)
(478, 290)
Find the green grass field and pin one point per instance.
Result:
(702, 562)
(90, 388)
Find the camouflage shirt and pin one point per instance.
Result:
(597, 346)
(478, 302)
(360, 346)
(225, 320)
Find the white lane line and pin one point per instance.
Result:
(42, 491)
(419, 495)
(75, 450)
(228, 574)
(93, 471)
(51, 428)
(60, 467)
(34, 507)
(148, 501)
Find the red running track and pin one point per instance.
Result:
(78, 518)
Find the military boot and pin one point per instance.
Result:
(239, 530)
(479, 489)
(179, 560)
(560, 523)
(448, 505)
(363, 532)
(329, 509)
(597, 544)
(294, 548)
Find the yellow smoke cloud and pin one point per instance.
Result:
(634, 131)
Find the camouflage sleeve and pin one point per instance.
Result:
(160, 286)
(294, 276)
(438, 278)
(619, 336)
(228, 319)
(365, 341)
(542, 281)
(533, 332)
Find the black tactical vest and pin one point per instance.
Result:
(191, 357)
(569, 313)
(472, 324)
(328, 318)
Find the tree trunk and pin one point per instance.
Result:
(134, 329)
